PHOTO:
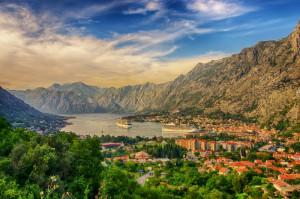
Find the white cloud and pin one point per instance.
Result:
(144, 41)
(147, 6)
(218, 9)
(34, 53)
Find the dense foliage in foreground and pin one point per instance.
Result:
(64, 166)
(32, 163)
(60, 166)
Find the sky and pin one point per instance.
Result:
(126, 42)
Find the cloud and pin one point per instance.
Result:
(35, 52)
(147, 6)
(145, 41)
(218, 9)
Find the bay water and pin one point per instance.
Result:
(105, 124)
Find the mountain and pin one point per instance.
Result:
(59, 99)
(261, 82)
(17, 112)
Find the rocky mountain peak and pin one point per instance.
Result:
(54, 86)
(259, 82)
(295, 38)
(297, 29)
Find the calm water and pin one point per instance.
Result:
(105, 124)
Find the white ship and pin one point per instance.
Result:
(124, 123)
(179, 128)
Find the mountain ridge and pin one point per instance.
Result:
(21, 114)
(261, 81)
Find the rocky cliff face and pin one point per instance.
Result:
(261, 81)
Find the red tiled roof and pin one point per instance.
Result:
(289, 176)
(279, 183)
(240, 171)
(271, 179)
(122, 158)
(223, 170)
(258, 161)
(258, 170)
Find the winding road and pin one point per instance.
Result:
(141, 180)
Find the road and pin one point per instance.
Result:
(141, 180)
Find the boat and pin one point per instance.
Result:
(179, 128)
(124, 123)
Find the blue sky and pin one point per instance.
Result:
(121, 42)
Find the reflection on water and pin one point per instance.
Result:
(105, 124)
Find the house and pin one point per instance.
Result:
(123, 158)
(271, 179)
(270, 162)
(292, 164)
(279, 183)
(214, 168)
(281, 150)
(257, 170)
(258, 162)
(268, 148)
(284, 188)
(141, 157)
(289, 176)
(224, 171)
(164, 142)
(240, 171)
(201, 169)
(296, 156)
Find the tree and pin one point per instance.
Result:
(33, 162)
(157, 172)
(247, 190)
(87, 162)
(78, 187)
(4, 124)
(296, 168)
(119, 163)
(88, 158)
(169, 165)
(295, 194)
(216, 194)
(257, 192)
(131, 166)
(256, 180)
(117, 184)
(197, 154)
(238, 183)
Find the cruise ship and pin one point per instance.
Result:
(124, 123)
(179, 128)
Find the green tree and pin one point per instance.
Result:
(216, 194)
(4, 124)
(78, 187)
(247, 190)
(257, 192)
(119, 163)
(87, 162)
(131, 166)
(118, 185)
(238, 183)
(157, 172)
(295, 194)
(256, 180)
